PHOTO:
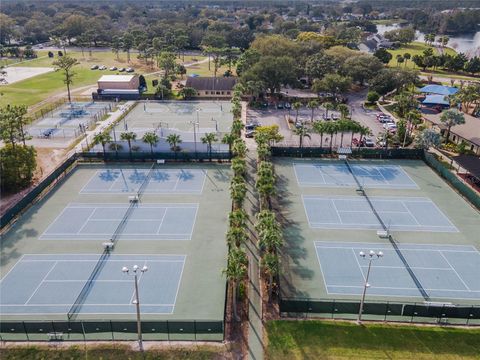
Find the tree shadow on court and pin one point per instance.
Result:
(160, 176)
(185, 175)
(294, 252)
(137, 177)
(109, 175)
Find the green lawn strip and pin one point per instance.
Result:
(389, 21)
(415, 48)
(104, 352)
(342, 340)
(33, 90)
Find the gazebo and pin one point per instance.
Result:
(439, 90)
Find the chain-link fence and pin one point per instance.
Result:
(425, 312)
(105, 330)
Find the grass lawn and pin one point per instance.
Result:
(336, 340)
(415, 48)
(389, 21)
(117, 352)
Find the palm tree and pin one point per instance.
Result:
(270, 266)
(328, 106)
(239, 148)
(344, 111)
(236, 272)
(331, 128)
(302, 132)
(356, 127)
(238, 191)
(296, 106)
(237, 127)
(174, 140)
(319, 127)
(451, 118)
(236, 236)
(151, 138)
(239, 166)
(265, 184)
(364, 131)
(263, 151)
(343, 126)
(228, 139)
(237, 218)
(104, 139)
(313, 104)
(128, 137)
(208, 139)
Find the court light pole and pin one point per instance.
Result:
(135, 271)
(372, 255)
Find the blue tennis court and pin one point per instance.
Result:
(146, 222)
(177, 181)
(338, 175)
(354, 212)
(50, 284)
(444, 271)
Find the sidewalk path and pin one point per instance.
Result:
(255, 322)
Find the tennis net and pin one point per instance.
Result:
(390, 237)
(77, 305)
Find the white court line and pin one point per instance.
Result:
(402, 288)
(86, 305)
(194, 222)
(178, 285)
(381, 246)
(336, 210)
(55, 220)
(161, 222)
(86, 221)
(455, 271)
(41, 282)
(411, 214)
(411, 267)
(359, 266)
(73, 281)
(9, 271)
(321, 269)
(474, 249)
(319, 170)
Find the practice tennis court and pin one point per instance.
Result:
(146, 222)
(397, 213)
(178, 181)
(338, 175)
(444, 271)
(50, 284)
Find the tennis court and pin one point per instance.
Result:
(146, 222)
(178, 117)
(49, 284)
(397, 213)
(338, 175)
(444, 271)
(179, 181)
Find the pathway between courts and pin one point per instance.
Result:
(255, 317)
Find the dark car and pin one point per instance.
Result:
(251, 126)
(288, 106)
(280, 106)
(249, 133)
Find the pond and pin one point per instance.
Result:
(468, 44)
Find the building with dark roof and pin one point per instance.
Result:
(210, 87)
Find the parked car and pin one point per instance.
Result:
(129, 69)
(280, 106)
(249, 133)
(102, 67)
(288, 106)
(122, 69)
(251, 126)
(299, 124)
(94, 67)
(113, 68)
(368, 142)
(390, 126)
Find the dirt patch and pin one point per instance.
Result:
(14, 74)
(47, 161)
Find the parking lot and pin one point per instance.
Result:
(274, 116)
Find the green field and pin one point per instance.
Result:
(415, 48)
(117, 352)
(36, 89)
(338, 340)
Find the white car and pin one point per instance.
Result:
(102, 67)
(390, 126)
(113, 68)
(369, 142)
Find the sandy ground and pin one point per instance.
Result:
(15, 74)
(47, 160)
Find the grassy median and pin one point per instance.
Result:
(341, 340)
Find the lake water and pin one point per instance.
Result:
(468, 44)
